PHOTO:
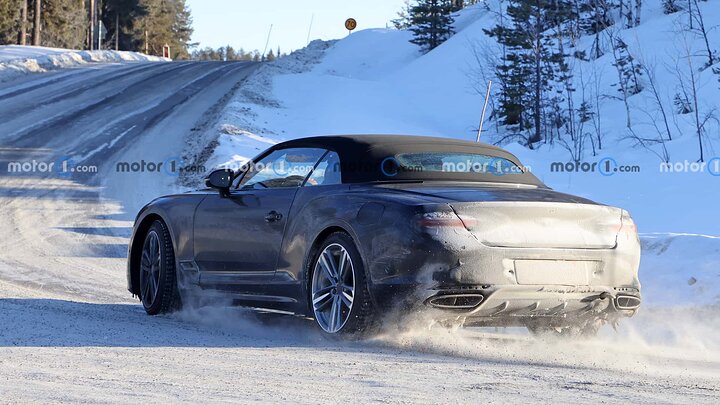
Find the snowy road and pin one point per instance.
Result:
(70, 332)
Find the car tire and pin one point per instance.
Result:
(158, 278)
(358, 319)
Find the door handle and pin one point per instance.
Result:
(273, 216)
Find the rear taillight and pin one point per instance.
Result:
(443, 219)
(628, 228)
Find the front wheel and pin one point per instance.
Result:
(339, 293)
(158, 285)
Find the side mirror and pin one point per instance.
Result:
(220, 180)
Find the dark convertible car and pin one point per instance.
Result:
(346, 229)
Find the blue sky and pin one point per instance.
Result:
(245, 23)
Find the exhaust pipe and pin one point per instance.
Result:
(627, 302)
(456, 301)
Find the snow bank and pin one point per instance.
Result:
(18, 60)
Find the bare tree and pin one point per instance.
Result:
(693, 84)
(93, 20)
(688, 81)
(575, 123)
(652, 79)
(596, 98)
(36, 23)
(600, 10)
(482, 69)
(648, 143)
(486, 63)
(703, 31)
(638, 8)
(626, 12)
(22, 35)
(622, 81)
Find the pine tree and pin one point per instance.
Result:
(128, 14)
(37, 23)
(166, 22)
(458, 5)
(594, 17)
(431, 23)
(530, 63)
(182, 27)
(402, 22)
(629, 69)
(9, 18)
(63, 23)
(23, 24)
(230, 53)
(670, 6)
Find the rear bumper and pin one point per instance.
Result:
(511, 305)
(535, 301)
(509, 285)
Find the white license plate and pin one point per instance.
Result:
(554, 272)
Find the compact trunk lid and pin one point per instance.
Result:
(527, 217)
(532, 224)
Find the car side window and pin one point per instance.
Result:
(327, 172)
(281, 168)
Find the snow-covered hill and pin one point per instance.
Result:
(375, 81)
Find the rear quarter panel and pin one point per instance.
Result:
(380, 222)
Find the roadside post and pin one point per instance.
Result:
(482, 117)
(350, 25)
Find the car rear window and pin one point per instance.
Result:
(452, 162)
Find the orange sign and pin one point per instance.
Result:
(350, 24)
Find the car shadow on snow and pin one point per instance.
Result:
(59, 323)
(73, 195)
(122, 232)
(52, 323)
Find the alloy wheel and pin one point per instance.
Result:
(150, 269)
(333, 288)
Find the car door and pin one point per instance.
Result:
(237, 237)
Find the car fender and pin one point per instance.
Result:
(177, 212)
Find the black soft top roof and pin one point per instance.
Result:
(362, 156)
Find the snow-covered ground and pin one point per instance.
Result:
(16, 60)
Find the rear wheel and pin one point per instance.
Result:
(338, 288)
(158, 284)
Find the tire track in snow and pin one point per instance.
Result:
(48, 96)
(109, 95)
(66, 79)
(63, 236)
